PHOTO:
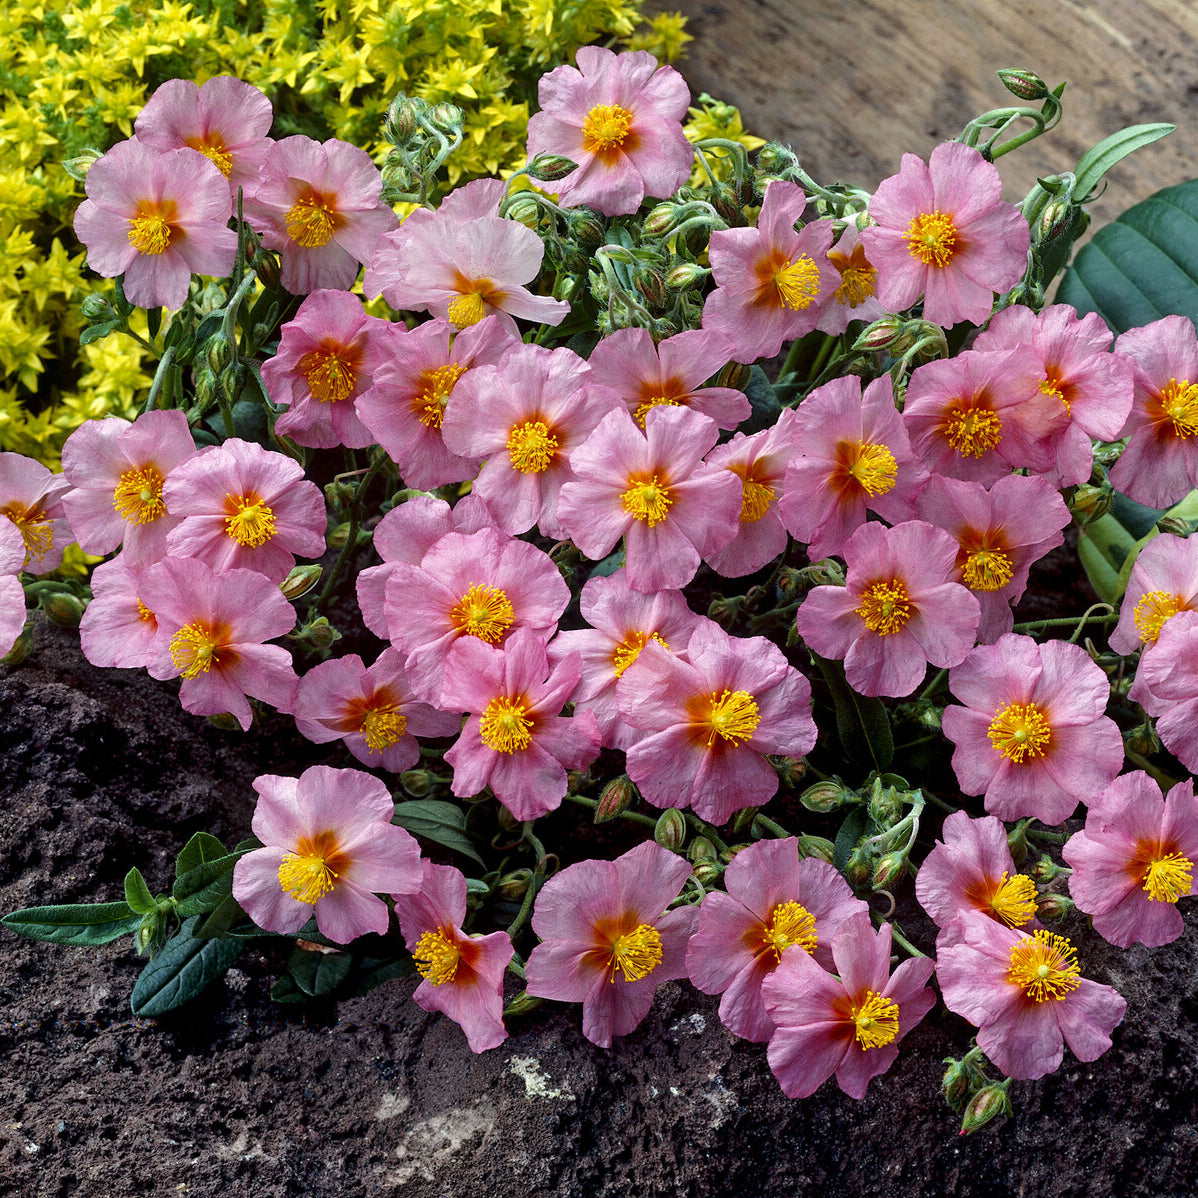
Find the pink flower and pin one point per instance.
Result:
(942, 230)
(619, 117)
(118, 629)
(770, 281)
(775, 901)
(1094, 385)
(245, 507)
(156, 219)
(321, 206)
(227, 120)
(848, 1025)
(515, 740)
(330, 849)
(12, 593)
(622, 622)
(646, 374)
(1000, 534)
(1160, 464)
(405, 406)
(653, 490)
(483, 585)
(117, 472)
(851, 457)
(1163, 582)
(31, 498)
(1135, 859)
(462, 265)
(607, 940)
(856, 296)
(371, 708)
(972, 870)
(211, 629)
(328, 356)
(1025, 996)
(980, 415)
(1032, 734)
(1167, 682)
(899, 611)
(708, 722)
(525, 417)
(463, 975)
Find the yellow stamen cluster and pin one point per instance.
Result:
(311, 222)
(1020, 731)
(1179, 402)
(972, 431)
(433, 390)
(382, 726)
(35, 527)
(145, 615)
(987, 570)
(467, 309)
(635, 954)
(1044, 967)
(755, 500)
(505, 726)
(797, 283)
(213, 148)
(194, 649)
(1014, 902)
(1153, 610)
(732, 716)
(789, 923)
(483, 611)
(647, 499)
(1055, 386)
(330, 373)
(436, 956)
(871, 465)
(932, 238)
(532, 447)
(150, 230)
(654, 401)
(1169, 877)
(250, 522)
(858, 278)
(885, 607)
(312, 870)
(605, 129)
(877, 1020)
(138, 494)
(629, 649)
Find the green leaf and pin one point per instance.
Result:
(850, 832)
(766, 405)
(153, 321)
(204, 888)
(369, 972)
(318, 974)
(200, 848)
(137, 893)
(1143, 265)
(184, 968)
(286, 990)
(863, 724)
(442, 823)
(96, 332)
(1099, 159)
(83, 924)
(222, 919)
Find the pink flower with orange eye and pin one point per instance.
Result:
(12, 594)
(31, 498)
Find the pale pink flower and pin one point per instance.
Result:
(708, 722)
(607, 940)
(515, 740)
(226, 119)
(942, 231)
(646, 373)
(329, 850)
(405, 406)
(849, 1024)
(320, 205)
(1025, 995)
(972, 869)
(852, 456)
(856, 296)
(1032, 734)
(211, 633)
(1167, 682)
(899, 611)
(117, 472)
(12, 593)
(156, 219)
(1094, 385)
(619, 117)
(771, 282)
(370, 708)
(1134, 859)
(483, 585)
(462, 974)
(622, 621)
(525, 417)
(245, 507)
(981, 415)
(328, 355)
(31, 498)
(1000, 532)
(654, 490)
(1159, 467)
(118, 629)
(775, 901)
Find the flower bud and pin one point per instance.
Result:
(1017, 842)
(859, 867)
(685, 276)
(816, 846)
(417, 783)
(63, 608)
(78, 166)
(1143, 739)
(742, 821)
(988, 1102)
(1176, 526)
(225, 721)
(506, 820)
(300, 581)
(22, 647)
(401, 118)
(670, 831)
(96, 307)
(1054, 906)
(1045, 869)
(616, 797)
(827, 796)
(397, 176)
(340, 534)
(661, 220)
(524, 210)
(1027, 85)
(956, 1082)
(707, 872)
(1089, 502)
(790, 770)
(724, 200)
(880, 335)
(652, 287)
(733, 374)
(586, 227)
(885, 807)
(206, 389)
(548, 168)
(523, 1004)
(701, 849)
(889, 869)
(1055, 218)
(514, 885)
(266, 267)
(776, 159)
(232, 379)
(447, 117)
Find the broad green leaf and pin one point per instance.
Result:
(767, 407)
(863, 724)
(442, 823)
(369, 972)
(137, 893)
(185, 967)
(850, 832)
(1099, 159)
(204, 888)
(222, 919)
(200, 848)
(318, 974)
(83, 924)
